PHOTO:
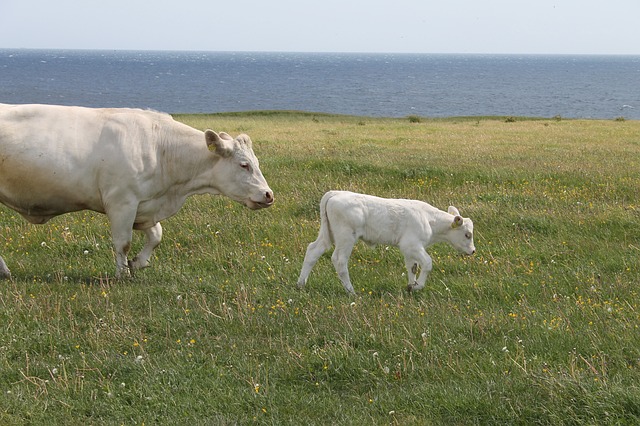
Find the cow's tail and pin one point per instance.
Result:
(325, 227)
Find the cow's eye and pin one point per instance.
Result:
(468, 235)
(245, 165)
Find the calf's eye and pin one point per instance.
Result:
(468, 235)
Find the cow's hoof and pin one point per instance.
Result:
(124, 273)
(130, 271)
(136, 263)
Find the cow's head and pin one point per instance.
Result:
(239, 175)
(461, 234)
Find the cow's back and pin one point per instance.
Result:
(53, 158)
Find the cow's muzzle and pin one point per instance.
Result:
(266, 201)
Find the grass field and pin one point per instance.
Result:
(541, 326)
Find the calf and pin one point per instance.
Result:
(410, 225)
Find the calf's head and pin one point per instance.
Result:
(239, 175)
(461, 234)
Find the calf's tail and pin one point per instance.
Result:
(320, 245)
(325, 226)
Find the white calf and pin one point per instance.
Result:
(410, 225)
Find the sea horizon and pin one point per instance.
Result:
(311, 52)
(351, 83)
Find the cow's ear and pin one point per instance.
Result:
(224, 135)
(454, 211)
(457, 221)
(221, 143)
(245, 139)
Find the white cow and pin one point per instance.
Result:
(410, 225)
(138, 167)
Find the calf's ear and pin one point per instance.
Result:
(457, 221)
(221, 144)
(454, 211)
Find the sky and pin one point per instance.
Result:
(390, 26)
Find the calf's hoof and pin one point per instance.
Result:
(412, 287)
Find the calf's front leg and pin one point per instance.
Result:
(412, 269)
(423, 260)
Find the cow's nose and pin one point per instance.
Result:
(268, 197)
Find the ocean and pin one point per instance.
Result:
(378, 85)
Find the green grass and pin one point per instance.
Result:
(540, 327)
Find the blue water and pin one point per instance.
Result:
(389, 85)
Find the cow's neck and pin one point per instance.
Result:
(188, 165)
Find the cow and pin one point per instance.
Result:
(410, 225)
(136, 166)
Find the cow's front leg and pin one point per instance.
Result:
(153, 236)
(121, 234)
(122, 246)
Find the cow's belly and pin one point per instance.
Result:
(41, 209)
(39, 201)
(43, 183)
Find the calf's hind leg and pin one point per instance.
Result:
(314, 251)
(340, 258)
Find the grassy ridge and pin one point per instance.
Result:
(541, 326)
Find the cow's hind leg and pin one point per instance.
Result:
(4, 270)
(153, 236)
